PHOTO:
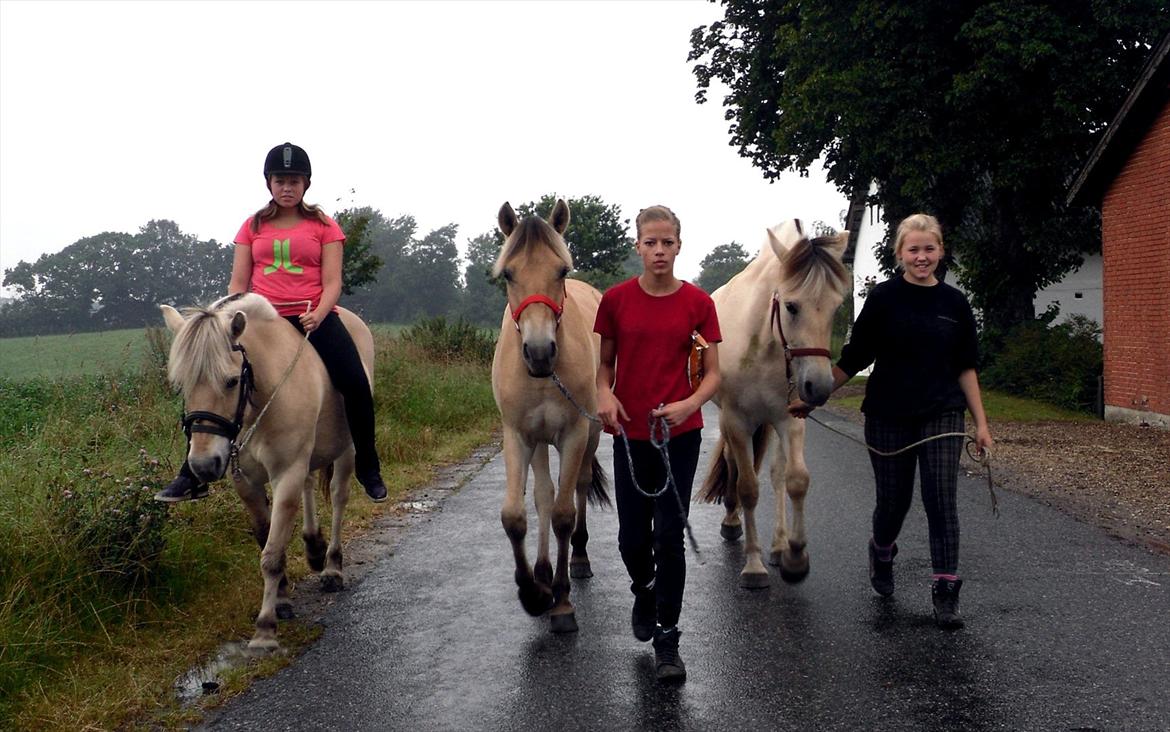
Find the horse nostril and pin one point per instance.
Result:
(526, 356)
(552, 350)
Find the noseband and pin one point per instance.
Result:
(791, 353)
(553, 305)
(220, 426)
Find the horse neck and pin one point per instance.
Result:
(271, 349)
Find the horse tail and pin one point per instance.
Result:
(324, 478)
(598, 495)
(715, 485)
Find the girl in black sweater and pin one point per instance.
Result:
(919, 334)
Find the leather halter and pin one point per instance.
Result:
(557, 308)
(219, 425)
(791, 353)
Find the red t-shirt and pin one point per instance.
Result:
(653, 338)
(286, 263)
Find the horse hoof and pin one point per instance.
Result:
(285, 612)
(793, 568)
(261, 646)
(753, 580)
(563, 623)
(580, 569)
(535, 600)
(731, 532)
(332, 583)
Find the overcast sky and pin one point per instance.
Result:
(112, 114)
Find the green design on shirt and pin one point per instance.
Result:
(281, 258)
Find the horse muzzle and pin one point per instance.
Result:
(540, 359)
(814, 385)
(208, 468)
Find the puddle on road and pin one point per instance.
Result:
(205, 679)
(423, 506)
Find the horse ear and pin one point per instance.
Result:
(782, 236)
(835, 244)
(506, 219)
(171, 317)
(239, 321)
(560, 216)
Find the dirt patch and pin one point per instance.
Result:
(1112, 475)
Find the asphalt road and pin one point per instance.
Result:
(1067, 629)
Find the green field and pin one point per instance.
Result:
(71, 355)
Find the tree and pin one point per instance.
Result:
(596, 236)
(977, 111)
(483, 297)
(360, 264)
(115, 280)
(720, 265)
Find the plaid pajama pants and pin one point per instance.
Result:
(938, 466)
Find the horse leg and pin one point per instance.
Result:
(579, 567)
(285, 497)
(564, 512)
(793, 556)
(332, 580)
(731, 528)
(535, 598)
(311, 527)
(542, 495)
(255, 501)
(754, 574)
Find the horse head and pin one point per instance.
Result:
(209, 366)
(534, 263)
(813, 284)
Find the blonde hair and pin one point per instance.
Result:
(657, 213)
(917, 222)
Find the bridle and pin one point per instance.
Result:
(220, 426)
(789, 352)
(557, 308)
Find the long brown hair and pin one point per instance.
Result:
(306, 210)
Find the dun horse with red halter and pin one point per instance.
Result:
(777, 318)
(547, 329)
(259, 401)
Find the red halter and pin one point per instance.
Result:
(791, 353)
(553, 305)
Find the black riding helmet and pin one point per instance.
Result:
(287, 159)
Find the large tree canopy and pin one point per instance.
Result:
(115, 280)
(721, 264)
(974, 110)
(597, 236)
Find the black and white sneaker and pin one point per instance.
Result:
(644, 618)
(667, 662)
(182, 488)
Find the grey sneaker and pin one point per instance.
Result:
(667, 662)
(881, 571)
(945, 594)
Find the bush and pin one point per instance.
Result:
(1058, 364)
(452, 341)
(115, 523)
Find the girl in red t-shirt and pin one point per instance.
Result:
(290, 252)
(645, 325)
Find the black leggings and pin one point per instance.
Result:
(650, 530)
(344, 365)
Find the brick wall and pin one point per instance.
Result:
(1136, 255)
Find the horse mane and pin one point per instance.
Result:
(812, 263)
(531, 232)
(202, 350)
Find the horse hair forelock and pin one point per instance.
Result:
(815, 268)
(202, 350)
(531, 232)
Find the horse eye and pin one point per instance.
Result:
(507, 275)
(793, 308)
(564, 273)
(232, 383)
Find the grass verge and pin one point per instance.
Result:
(1000, 407)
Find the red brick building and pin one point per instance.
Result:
(1128, 176)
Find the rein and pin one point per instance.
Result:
(981, 457)
(660, 439)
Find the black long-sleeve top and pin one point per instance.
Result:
(919, 340)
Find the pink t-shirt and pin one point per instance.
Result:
(653, 339)
(286, 263)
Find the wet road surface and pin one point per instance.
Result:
(1067, 629)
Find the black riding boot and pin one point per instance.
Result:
(945, 594)
(185, 487)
